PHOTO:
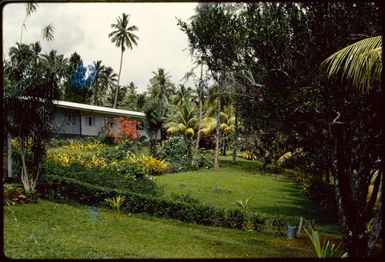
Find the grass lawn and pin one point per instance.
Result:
(52, 230)
(271, 194)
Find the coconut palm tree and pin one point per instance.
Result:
(47, 33)
(29, 9)
(226, 127)
(57, 63)
(161, 86)
(360, 62)
(182, 94)
(97, 68)
(108, 79)
(122, 37)
(183, 120)
(131, 99)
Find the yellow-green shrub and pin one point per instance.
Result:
(248, 155)
(150, 165)
(65, 159)
(79, 147)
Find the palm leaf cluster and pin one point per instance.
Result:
(184, 120)
(327, 249)
(122, 35)
(361, 62)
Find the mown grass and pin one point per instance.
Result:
(51, 230)
(270, 193)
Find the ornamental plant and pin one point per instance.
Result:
(115, 203)
(126, 130)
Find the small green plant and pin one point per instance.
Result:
(115, 203)
(220, 189)
(244, 205)
(13, 194)
(328, 250)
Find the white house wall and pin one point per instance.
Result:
(97, 123)
(73, 126)
(67, 127)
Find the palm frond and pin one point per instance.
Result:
(47, 32)
(360, 62)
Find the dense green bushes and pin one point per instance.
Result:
(127, 177)
(182, 207)
(181, 155)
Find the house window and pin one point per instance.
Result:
(90, 120)
(69, 119)
(108, 122)
(139, 126)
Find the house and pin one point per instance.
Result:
(78, 120)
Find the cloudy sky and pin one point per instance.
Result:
(84, 28)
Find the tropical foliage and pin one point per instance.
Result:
(30, 86)
(360, 62)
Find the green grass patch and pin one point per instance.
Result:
(270, 193)
(51, 230)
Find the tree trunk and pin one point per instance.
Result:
(224, 146)
(200, 94)
(117, 86)
(24, 173)
(235, 142)
(217, 134)
(200, 123)
(351, 213)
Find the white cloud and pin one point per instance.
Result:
(84, 28)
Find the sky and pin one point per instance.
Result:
(84, 28)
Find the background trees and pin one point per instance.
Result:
(285, 102)
(213, 37)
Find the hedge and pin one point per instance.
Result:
(66, 188)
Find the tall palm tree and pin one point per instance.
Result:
(360, 62)
(123, 37)
(183, 93)
(131, 99)
(161, 86)
(29, 9)
(97, 68)
(57, 63)
(108, 79)
(47, 33)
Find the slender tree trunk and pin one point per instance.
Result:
(200, 124)
(200, 94)
(217, 129)
(22, 27)
(235, 142)
(24, 173)
(117, 86)
(217, 134)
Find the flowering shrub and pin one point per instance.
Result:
(65, 159)
(79, 147)
(116, 174)
(126, 130)
(150, 165)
